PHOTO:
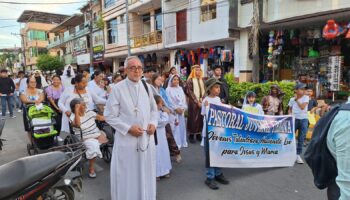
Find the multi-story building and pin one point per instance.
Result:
(145, 32)
(200, 32)
(72, 38)
(35, 33)
(113, 14)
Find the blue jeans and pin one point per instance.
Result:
(9, 100)
(301, 125)
(18, 102)
(211, 171)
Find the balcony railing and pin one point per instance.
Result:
(132, 1)
(58, 41)
(146, 39)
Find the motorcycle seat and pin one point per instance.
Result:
(17, 175)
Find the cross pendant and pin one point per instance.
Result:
(136, 110)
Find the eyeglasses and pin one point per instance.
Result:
(135, 68)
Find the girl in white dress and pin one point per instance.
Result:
(177, 101)
(162, 149)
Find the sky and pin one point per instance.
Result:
(11, 11)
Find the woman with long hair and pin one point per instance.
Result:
(53, 94)
(157, 82)
(31, 95)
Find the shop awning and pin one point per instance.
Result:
(310, 20)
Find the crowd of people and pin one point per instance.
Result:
(153, 114)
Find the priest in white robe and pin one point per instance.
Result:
(133, 113)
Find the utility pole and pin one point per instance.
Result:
(127, 26)
(91, 39)
(23, 50)
(254, 35)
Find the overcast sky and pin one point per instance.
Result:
(14, 11)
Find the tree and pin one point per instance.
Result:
(47, 62)
(254, 38)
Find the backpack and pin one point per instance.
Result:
(317, 155)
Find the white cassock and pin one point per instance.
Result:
(163, 154)
(133, 167)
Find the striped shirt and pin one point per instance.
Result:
(87, 125)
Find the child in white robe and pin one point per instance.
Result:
(163, 165)
(177, 103)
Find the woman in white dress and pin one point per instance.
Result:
(162, 149)
(177, 102)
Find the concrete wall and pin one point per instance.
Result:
(197, 31)
(214, 29)
(280, 9)
(245, 14)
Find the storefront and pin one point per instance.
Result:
(320, 53)
(220, 54)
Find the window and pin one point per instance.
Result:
(146, 19)
(109, 3)
(208, 10)
(158, 17)
(36, 35)
(34, 52)
(122, 19)
(112, 31)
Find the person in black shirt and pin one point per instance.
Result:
(224, 93)
(7, 89)
(312, 106)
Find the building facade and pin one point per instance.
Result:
(35, 33)
(74, 38)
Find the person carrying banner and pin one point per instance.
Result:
(250, 105)
(298, 108)
(213, 173)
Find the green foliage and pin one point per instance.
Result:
(99, 22)
(239, 90)
(47, 62)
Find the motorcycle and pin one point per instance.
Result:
(49, 176)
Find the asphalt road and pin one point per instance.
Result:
(187, 179)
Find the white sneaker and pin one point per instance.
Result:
(299, 160)
(13, 116)
(59, 139)
(19, 110)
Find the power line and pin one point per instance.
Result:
(8, 26)
(42, 3)
(4, 19)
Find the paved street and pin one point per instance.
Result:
(187, 178)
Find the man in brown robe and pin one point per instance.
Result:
(195, 91)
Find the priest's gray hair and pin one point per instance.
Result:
(126, 62)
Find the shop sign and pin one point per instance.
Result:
(334, 72)
(80, 46)
(97, 38)
(98, 53)
(83, 59)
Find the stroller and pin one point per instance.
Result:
(41, 123)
